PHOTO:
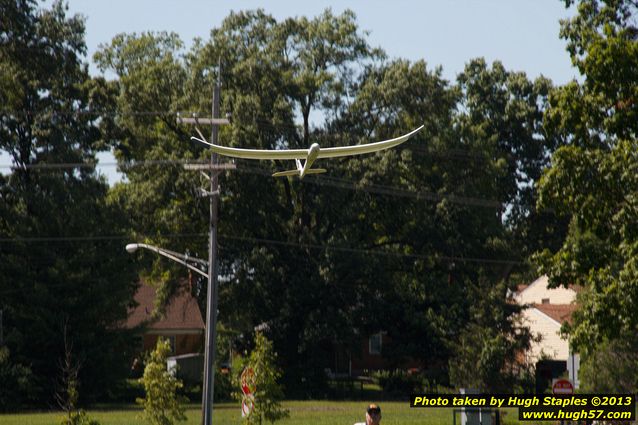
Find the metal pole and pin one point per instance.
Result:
(211, 296)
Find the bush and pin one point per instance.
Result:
(78, 417)
(400, 382)
(223, 385)
(161, 403)
(611, 367)
(266, 390)
(16, 380)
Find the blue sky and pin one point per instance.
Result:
(522, 34)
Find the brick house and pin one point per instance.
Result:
(182, 323)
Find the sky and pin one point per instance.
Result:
(522, 34)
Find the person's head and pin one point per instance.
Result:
(373, 414)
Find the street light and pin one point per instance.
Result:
(175, 256)
(209, 354)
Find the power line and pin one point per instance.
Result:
(385, 190)
(317, 180)
(123, 165)
(372, 251)
(33, 239)
(103, 113)
(265, 241)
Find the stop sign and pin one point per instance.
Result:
(562, 387)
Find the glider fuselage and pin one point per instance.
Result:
(313, 154)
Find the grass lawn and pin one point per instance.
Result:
(301, 413)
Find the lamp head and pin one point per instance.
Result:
(132, 247)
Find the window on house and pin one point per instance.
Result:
(545, 301)
(374, 344)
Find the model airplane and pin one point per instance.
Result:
(309, 155)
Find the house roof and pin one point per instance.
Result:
(182, 311)
(521, 287)
(560, 312)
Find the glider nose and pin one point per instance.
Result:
(313, 153)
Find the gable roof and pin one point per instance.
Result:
(537, 292)
(521, 287)
(544, 281)
(182, 311)
(559, 312)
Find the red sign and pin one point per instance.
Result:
(248, 388)
(562, 387)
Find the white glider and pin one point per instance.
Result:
(310, 155)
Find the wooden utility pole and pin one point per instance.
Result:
(214, 168)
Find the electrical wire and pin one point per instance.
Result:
(264, 241)
(317, 180)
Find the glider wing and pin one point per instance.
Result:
(365, 148)
(303, 153)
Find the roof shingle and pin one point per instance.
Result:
(182, 312)
(560, 312)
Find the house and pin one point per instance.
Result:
(547, 310)
(538, 293)
(182, 323)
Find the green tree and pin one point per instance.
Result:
(61, 256)
(502, 118)
(386, 241)
(601, 41)
(469, 164)
(592, 183)
(162, 405)
(488, 352)
(261, 94)
(595, 188)
(268, 393)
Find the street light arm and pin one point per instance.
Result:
(178, 258)
(173, 253)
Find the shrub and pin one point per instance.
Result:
(223, 385)
(16, 381)
(399, 382)
(78, 417)
(611, 367)
(267, 391)
(161, 403)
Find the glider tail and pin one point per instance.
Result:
(286, 173)
(297, 172)
(316, 171)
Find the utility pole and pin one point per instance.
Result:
(211, 296)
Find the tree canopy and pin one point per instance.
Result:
(393, 241)
(61, 263)
(591, 182)
(422, 242)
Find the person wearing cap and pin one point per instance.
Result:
(373, 415)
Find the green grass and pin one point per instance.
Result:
(301, 413)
